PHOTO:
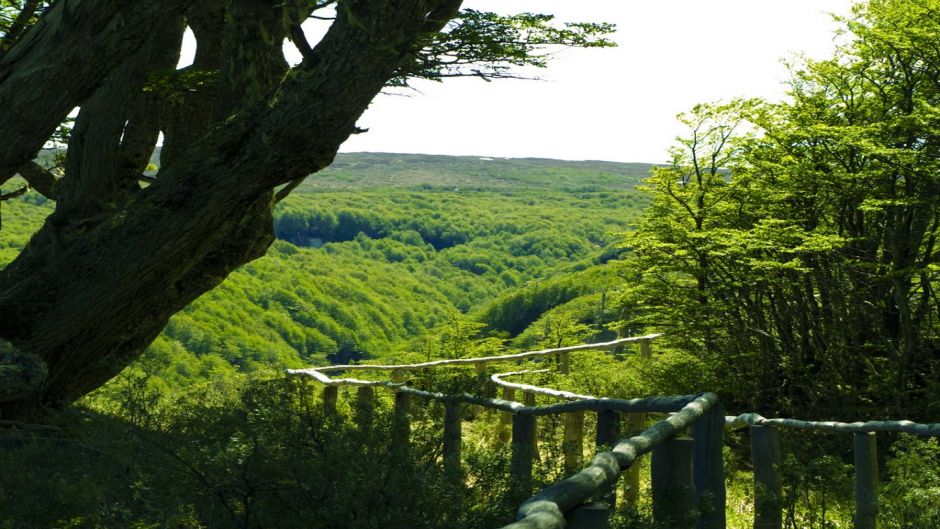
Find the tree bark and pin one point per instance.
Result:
(75, 44)
(87, 298)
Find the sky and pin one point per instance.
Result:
(616, 104)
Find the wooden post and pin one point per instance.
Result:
(588, 516)
(401, 425)
(564, 363)
(475, 411)
(866, 480)
(608, 429)
(766, 459)
(671, 476)
(452, 436)
(505, 418)
(636, 423)
(523, 443)
(365, 405)
(398, 376)
(708, 474)
(573, 445)
(330, 394)
(631, 477)
(529, 400)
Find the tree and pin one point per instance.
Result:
(820, 238)
(122, 252)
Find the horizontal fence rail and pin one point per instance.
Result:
(753, 419)
(582, 500)
(642, 405)
(483, 359)
(535, 390)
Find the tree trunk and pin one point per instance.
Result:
(87, 296)
(75, 44)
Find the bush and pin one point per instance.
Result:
(243, 453)
(911, 497)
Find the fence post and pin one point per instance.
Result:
(708, 475)
(401, 423)
(452, 437)
(608, 429)
(564, 363)
(866, 480)
(523, 444)
(766, 459)
(671, 476)
(365, 405)
(489, 388)
(636, 422)
(529, 400)
(631, 477)
(505, 417)
(573, 445)
(330, 394)
(588, 516)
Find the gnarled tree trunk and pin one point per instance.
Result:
(116, 259)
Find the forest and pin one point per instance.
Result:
(788, 254)
(365, 268)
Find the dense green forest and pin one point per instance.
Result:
(794, 245)
(788, 253)
(366, 267)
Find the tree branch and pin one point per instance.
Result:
(441, 15)
(115, 130)
(45, 74)
(286, 190)
(14, 194)
(40, 179)
(19, 25)
(300, 40)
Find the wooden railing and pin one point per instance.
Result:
(766, 457)
(686, 473)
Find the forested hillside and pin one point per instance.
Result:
(789, 254)
(380, 249)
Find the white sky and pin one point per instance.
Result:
(615, 104)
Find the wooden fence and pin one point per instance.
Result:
(687, 476)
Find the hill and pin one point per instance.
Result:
(356, 171)
(382, 249)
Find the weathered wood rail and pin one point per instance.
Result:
(766, 457)
(687, 479)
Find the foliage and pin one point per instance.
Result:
(489, 45)
(911, 498)
(15, 17)
(241, 452)
(795, 256)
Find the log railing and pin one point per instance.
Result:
(686, 473)
(766, 457)
(644, 342)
